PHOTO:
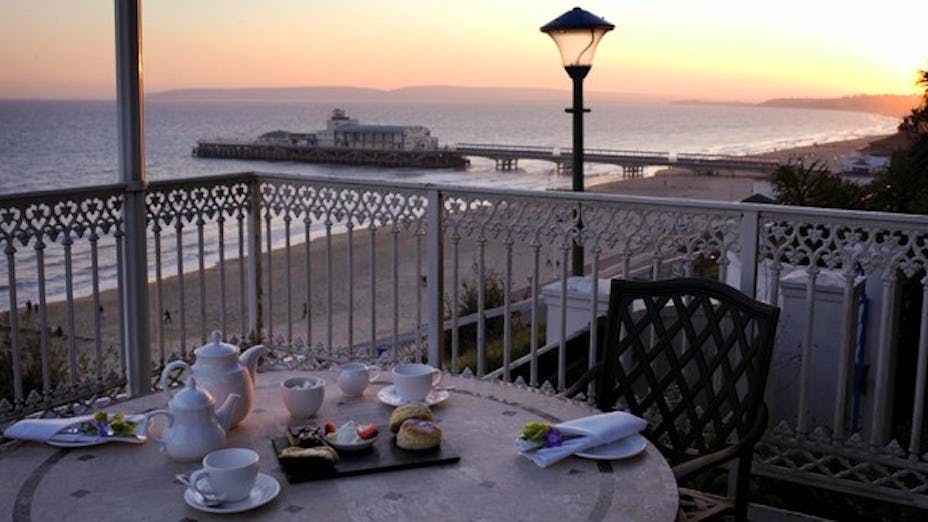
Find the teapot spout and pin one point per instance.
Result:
(249, 359)
(224, 413)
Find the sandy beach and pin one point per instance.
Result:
(731, 186)
(670, 183)
(408, 283)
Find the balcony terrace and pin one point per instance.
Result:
(103, 286)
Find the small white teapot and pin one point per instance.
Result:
(194, 427)
(221, 370)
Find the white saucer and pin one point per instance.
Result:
(363, 444)
(388, 395)
(620, 449)
(266, 489)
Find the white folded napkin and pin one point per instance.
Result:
(591, 431)
(62, 431)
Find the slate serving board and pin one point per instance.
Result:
(381, 457)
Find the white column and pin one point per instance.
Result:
(749, 237)
(132, 171)
(434, 273)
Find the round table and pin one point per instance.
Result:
(480, 419)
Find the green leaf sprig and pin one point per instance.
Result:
(534, 431)
(104, 425)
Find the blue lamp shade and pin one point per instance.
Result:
(577, 33)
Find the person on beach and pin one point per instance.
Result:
(167, 316)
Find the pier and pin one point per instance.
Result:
(427, 158)
(632, 162)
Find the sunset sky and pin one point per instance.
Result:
(709, 49)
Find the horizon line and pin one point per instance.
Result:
(673, 98)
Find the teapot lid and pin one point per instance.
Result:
(215, 347)
(192, 398)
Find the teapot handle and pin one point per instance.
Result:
(167, 372)
(151, 415)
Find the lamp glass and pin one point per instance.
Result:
(577, 46)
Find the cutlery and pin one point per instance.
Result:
(208, 500)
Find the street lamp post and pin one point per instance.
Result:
(577, 33)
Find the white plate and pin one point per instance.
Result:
(388, 395)
(96, 441)
(620, 449)
(265, 490)
(351, 446)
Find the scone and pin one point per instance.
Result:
(416, 410)
(417, 434)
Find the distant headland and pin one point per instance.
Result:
(895, 105)
(423, 93)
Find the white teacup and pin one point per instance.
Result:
(353, 378)
(230, 474)
(413, 382)
(303, 395)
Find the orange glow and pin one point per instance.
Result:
(722, 49)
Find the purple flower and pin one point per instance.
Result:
(102, 427)
(553, 438)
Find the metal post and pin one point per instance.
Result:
(434, 273)
(132, 170)
(883, 384)
(750, 221)
(577, 74)
(253, 225)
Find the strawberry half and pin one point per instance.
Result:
(367, 431)
(330, 428)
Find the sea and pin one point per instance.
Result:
(47, 145)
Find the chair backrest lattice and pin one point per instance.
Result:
(689, 355)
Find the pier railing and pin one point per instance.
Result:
(325, 269)
(626, 158)
(505, 148)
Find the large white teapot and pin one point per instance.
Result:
(220, 369)
(194, 427)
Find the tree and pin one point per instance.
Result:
(915, 125)
(903, 185)
(813, 185)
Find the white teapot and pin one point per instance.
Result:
(194, 427)
(220, 369)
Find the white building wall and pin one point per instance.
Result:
(828, 324)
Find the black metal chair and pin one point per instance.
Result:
(691, 356)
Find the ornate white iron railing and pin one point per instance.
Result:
(45, 360)
(324, 270)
